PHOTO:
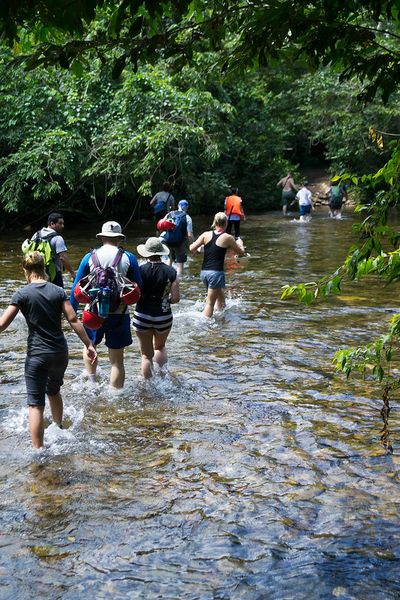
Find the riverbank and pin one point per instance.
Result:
(318, 183)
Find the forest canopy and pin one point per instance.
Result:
(113, 97)
(361, 37)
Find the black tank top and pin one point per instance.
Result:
(213, 255)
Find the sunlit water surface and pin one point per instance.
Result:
(252, 471)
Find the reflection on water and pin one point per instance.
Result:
(251, 471)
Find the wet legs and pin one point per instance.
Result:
(152, 345)
(56, 407)
(215, 298)
(117, 376)
(116, 357)
(36, 425)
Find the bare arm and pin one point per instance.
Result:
(199, 242)
(242, 211)
(65, 262)
(175, 295)
(153, 201)
(79, 329)
(236, 245)
(8, 316)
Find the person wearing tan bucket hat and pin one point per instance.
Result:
(116, 326)
(152, 317)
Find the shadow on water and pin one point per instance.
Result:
(250, 471)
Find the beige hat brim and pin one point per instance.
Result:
(145, 253)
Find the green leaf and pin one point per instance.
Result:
(118, 67)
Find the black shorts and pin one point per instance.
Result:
(159, 215)
(287, 197)
(336, 204)
(178, 253)
(44, 374)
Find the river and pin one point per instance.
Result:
(253, 471)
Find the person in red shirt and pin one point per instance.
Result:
(234, 212)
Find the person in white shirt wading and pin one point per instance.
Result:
(305, 203)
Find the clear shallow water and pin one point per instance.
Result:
(252, 471)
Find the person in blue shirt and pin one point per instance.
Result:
(116, 327)
(162, 202)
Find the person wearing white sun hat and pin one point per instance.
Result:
(116, 327)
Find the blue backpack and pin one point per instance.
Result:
(179, 233)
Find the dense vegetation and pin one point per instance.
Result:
(71, 139)
(133, 94)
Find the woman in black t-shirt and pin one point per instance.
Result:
(42, 304)
(152, 318)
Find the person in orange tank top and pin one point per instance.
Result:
(234, 212)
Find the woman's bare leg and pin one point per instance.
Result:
(147, 351)
(214, 297)
(160, 352)
(56, 407)
(220, 302)
(90, 368)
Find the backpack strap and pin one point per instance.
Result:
(43, 238)
(284, 181)
(117, 258)
(37, 238)
(95, 259)
(115, 262)
(49, 236)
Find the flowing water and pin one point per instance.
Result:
(252, 471)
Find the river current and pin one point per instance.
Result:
(252, 471)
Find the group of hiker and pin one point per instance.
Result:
(106, 282)
(110, 278)
(176, 230)
(292, 193)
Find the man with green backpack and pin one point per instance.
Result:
(336, 193)
(49, 242)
